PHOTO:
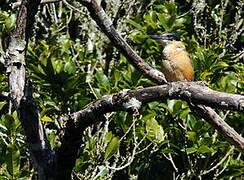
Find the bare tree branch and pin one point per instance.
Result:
(21, 92)
(192, 92)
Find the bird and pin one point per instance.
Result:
(176, 63)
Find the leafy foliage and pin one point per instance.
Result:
(66, 62)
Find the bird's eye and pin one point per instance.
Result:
(180, 48)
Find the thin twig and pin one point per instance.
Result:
(220, 162)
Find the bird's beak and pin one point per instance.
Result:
(156, 37)
(166, 37)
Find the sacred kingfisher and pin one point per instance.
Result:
(176, 63)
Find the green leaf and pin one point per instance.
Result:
(108, 137)
(163, 21)
(150, 19)
(13, 160)
(154, 131)
(171, 8)
(192, 135)
(103, 81)
(46, 119)
(9, 122)
(7, 22)
(59, 66)
(204, 149)
(205, 74)
(112, 148)
(69, 67)
(191, 150)
(52, 138)
(177, 106)
(10, 22)
(136, 25)
(153, 105)
(117, 77)
(2, 104)
(184, 113)
(65, 43)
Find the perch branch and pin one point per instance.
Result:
(192, 92)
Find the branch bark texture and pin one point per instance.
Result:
(189, 91)
(192, 92)
(21, 92)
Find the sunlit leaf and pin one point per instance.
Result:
(112, 148)
(2, 104)
(47, 119)
(154, 131)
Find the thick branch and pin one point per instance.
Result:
(21, 93)
(190, 91)
(38, 144)
(197, 93)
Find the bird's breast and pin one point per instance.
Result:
(177, 67)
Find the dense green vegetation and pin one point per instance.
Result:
(71, 63)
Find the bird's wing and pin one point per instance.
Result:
(185, 67)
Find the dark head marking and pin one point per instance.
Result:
(166, 37)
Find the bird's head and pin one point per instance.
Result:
(171, 42)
